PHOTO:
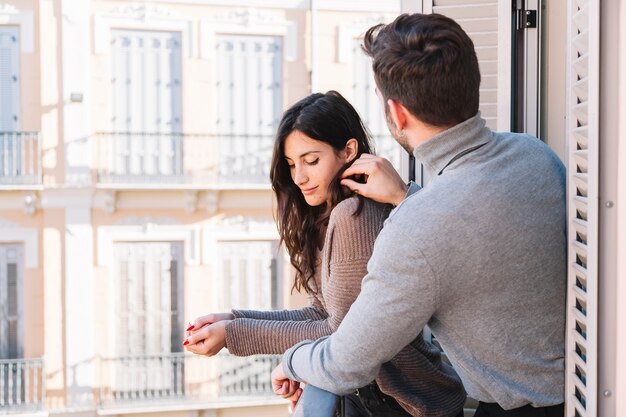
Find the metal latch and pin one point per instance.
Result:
(526, 19)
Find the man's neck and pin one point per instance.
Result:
(420, 132)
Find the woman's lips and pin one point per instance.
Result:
(308, 191)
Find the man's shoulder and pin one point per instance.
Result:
(525, 143)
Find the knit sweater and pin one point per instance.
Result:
(416, 377)
(478, 254)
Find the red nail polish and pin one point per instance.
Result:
(190, 327)
(186, 342)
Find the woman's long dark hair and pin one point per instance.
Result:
(331, 119)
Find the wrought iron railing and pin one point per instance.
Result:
(20, 158)
(180, 377)
(174, 158)
(22, 385)
(246, 376)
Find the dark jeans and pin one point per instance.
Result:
(494, 410)
(370, 401)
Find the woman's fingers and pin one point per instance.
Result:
(294, 399)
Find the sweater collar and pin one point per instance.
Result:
(440, 150)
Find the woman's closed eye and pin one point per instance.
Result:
(313, 162)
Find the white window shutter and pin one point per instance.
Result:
(146, 101)
(146, 81)
(248, 102)
(9, 79)
(245, 274)
(11, 303)
(149, 297)
(488, 24)
(582, 86)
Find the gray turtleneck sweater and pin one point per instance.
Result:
(479, 255)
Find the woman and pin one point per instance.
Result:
(329, 236)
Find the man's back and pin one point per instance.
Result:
(491, 226)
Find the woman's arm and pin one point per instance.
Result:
(347, 248)
(314, 312)
(348, 245)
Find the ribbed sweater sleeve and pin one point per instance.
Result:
(306, 313)
(348, 243)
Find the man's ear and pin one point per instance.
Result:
(398, 114)
(351, 149)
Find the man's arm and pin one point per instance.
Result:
(398, 297)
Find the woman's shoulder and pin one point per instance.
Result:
(371, 213)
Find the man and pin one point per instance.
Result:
(478, 254)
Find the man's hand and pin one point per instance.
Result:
(382, 182)
(208, 340)
(283, 386)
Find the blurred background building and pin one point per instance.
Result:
(135, 140)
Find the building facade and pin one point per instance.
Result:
(135, 146)
(135, 140)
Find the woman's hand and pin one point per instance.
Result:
(209, 339)
(284, 386)
(294, 399)
(202, 321)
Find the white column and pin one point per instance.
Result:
(76, 76)
(79, 274)
(79, 302)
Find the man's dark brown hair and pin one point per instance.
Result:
(427, 63)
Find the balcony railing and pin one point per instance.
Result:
(246, 376)
(20, 158)
(22, 385)
(179, 377)
(145, 159)
(173, 158)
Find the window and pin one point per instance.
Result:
(146, 103)
(149, 297)
(11, 273)
(148, 320)
(9, 80)
(247, 275)
(249, 104)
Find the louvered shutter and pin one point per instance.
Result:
(488, 24)
(9, 79)
(148, 283)
(249, 103)
(146, 98)
(10, 301)
(582, 141)
(245, 277)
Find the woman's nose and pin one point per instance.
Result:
(300, 177)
